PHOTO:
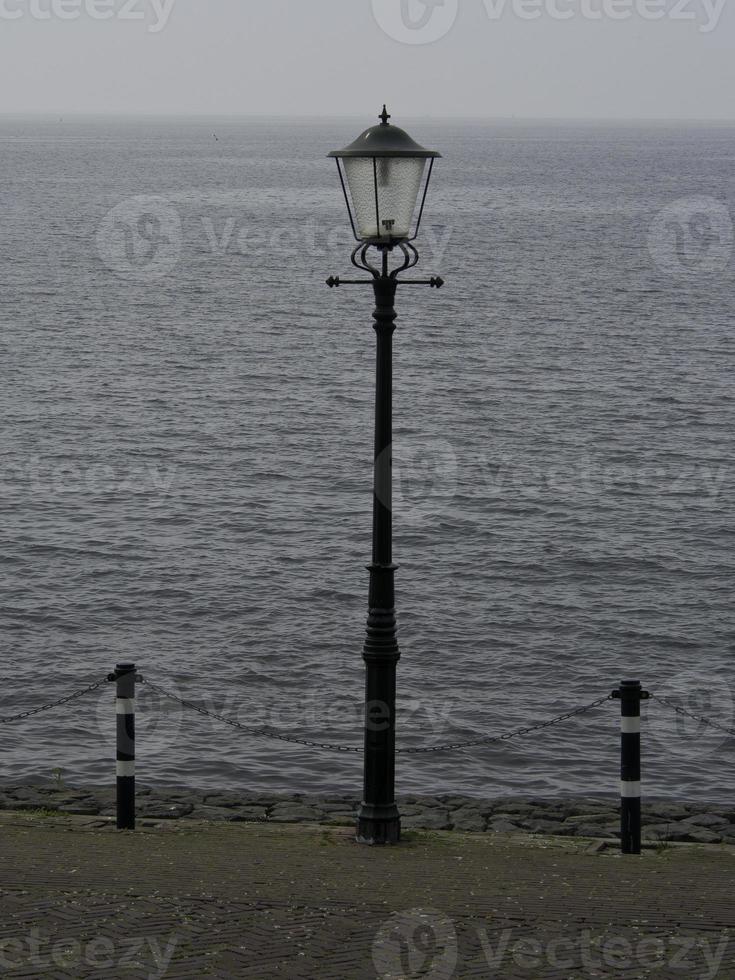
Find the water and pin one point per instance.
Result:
(187, 438)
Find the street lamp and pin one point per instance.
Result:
(384, 170)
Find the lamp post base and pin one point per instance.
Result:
(378, 824)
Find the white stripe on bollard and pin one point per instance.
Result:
(125, 706)
(125, 768)
(630, 726)
(629, 788)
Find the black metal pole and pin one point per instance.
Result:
(378, 819)
(630, 695)
(125, 677)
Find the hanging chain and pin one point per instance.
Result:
(334, 747)
(487, 739)
(331, 746)
(255, 732)
(683, 711)
(55, 704)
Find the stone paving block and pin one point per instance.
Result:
(467, 819)
(78, 809)
(597, 830)
(164, 811)
(294, 812)
(708, 820)
(214, 813)
(671, 831)
(501, 826)
(704, 837)
(430, 820)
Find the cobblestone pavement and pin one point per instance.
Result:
(256, 900)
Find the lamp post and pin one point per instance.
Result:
(382, 173)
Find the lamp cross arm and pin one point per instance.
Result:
(435, 281)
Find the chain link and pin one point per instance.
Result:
(55, 704)
(689, 714)
(332, 746)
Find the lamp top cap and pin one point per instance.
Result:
(384, 140)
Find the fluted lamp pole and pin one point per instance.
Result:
(383, 173)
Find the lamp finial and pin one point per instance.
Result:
(384, 116)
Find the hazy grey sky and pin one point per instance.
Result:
(533, 58)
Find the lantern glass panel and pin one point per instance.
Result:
(399, 182)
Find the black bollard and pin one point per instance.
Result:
(630, 696)
(125, 678)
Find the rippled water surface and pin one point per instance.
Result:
(186, 451)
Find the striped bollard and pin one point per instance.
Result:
(125, 678)
(630, 696)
